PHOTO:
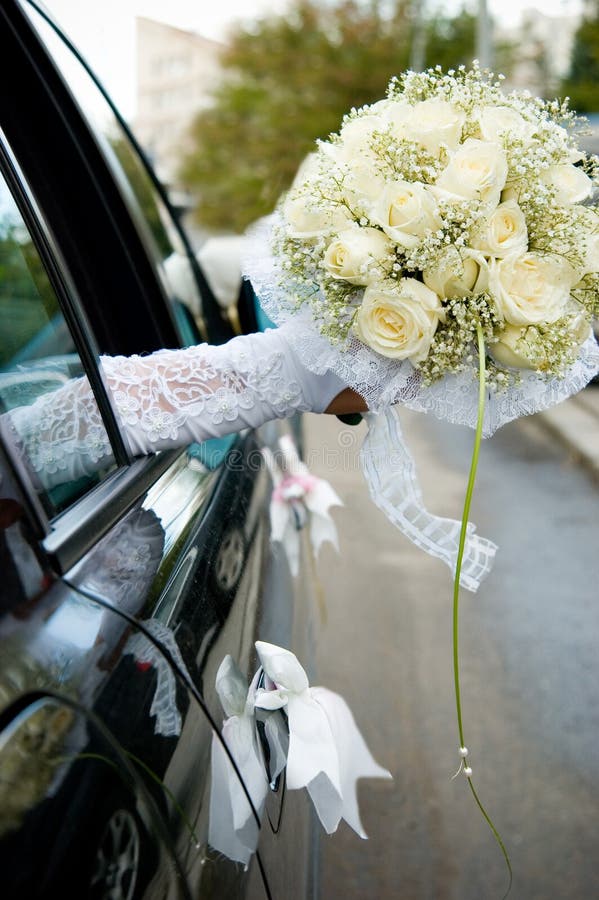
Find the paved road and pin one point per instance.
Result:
(529, 643)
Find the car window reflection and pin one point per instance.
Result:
(153, 219)
(37, 358)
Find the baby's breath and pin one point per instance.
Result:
(379, 150)
(550, 348)
(453, 345)
(586, 292)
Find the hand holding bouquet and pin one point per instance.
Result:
(446, 217)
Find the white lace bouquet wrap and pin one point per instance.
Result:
(446, 208)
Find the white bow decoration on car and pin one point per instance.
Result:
(325, 752)
(233, 829)
(298, 499)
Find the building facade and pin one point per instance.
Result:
(177, 71)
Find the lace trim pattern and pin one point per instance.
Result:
(62, 434)
(165, 400)
(173, 397)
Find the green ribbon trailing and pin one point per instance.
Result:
(456, 591)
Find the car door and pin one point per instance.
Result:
(86, 549)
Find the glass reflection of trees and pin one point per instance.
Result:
(27, 300)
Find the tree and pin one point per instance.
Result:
(582, 83)
(289, 81)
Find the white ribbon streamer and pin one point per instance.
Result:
(393, 484)
(233, 830)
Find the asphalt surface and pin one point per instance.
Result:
(530, 669)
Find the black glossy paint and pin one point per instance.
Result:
(115, 616)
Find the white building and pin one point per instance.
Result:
(176, 72)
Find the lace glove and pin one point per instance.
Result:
(167, 400)
(174, 397)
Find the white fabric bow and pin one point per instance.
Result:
(299, 498)
(327, 753)
(319, 743)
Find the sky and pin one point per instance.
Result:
(105, 31)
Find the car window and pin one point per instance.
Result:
(39, 371)
(153, 219)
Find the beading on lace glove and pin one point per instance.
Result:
(173, 397)
(168, 399)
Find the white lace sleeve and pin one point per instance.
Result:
(169, 399)
(174, 397)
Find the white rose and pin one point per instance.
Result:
(362, 185)
(434, 124)
(379, 107)
(504, 232)
(305, 219)
(581, 329)
(510, 350)
(310, 168)
(458, 275)
(570, 183)
(356, 163)
(497, 122)
(406, 211)
(355, 253)
(530, 289)
(476, 171)
(399, 320)
(397, 115)
(510, 193)
(356, 135)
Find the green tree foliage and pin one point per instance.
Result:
(288, 82)
(27, 300)
(582, 83)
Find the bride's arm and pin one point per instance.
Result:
(171, 398)
(174, 397)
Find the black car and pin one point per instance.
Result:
(124, 585)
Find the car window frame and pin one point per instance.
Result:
(72, 165)
(58, 275)
(217, 326)
(80, 199)
(67, 536)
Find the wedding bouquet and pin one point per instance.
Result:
(446, 219)
(444, 205)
